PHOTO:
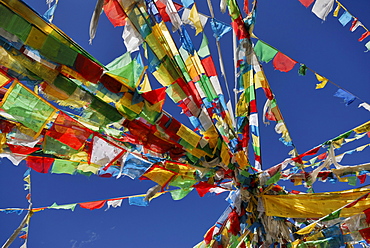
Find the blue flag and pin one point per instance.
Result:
(347, 97)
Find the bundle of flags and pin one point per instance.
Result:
(64, 112)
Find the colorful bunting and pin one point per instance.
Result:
(110, 123)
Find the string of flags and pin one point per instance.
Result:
(282, 62)
(64, 112)
(322, 9)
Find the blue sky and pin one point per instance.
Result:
(312, 117)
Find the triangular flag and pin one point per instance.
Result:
(204, 49)
(187, 3)
(332, 216)
(306, 3)
(219, 28)
(307, 229)
(367, 45)
(145, 85)
(49, 14)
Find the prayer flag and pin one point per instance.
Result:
(347, 97)
(323, 81)
(345, 18)
(219, 28)
(283, 63)
(92, 205)
(39, 164)
(66, 206)
(27, 107)
(138, 201)
(364, 35)
(61, 166)
(322, 8)
(114, 12)
(264, 52)
(134, 166)
(104, 153)
(69, 131)
(306, 3)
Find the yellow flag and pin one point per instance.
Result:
(363, 128)
(194, 17)
(361, 148)
(307, 229)
(145, 84)
(336, 11)
(296, 243)
(323, 81)
(300, 206)
(27, 179)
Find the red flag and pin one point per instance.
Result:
(362, 178)
(353, 26)
(209, 66)
(24, 236)
(283, 63)
(234, 223)
(306, 3)
(6, 126)
(239, 28)
(68, 131)
(162, 11)
(155, 96)
(22, 149)
(88, 69)
(364, 35)
(209, 235)
(203, 188)
(178, 6)
(365, 233)
(311, 152)
(111, 83)
(246, 8)
(114, 12)
(39, 164)
(92, 205)
(367, 213)
(322, 156)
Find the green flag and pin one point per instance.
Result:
(264, 52)
(27, 108)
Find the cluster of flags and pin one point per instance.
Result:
(64, 112)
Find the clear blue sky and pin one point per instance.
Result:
(312, 116)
